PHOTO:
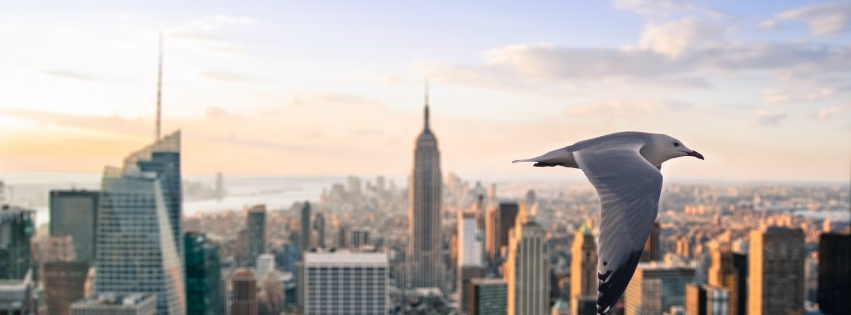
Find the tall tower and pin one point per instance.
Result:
(527, 268)
(583, 270)
(256, 232)
(776, 271)
(425, 245)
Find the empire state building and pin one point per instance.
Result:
(425, 245)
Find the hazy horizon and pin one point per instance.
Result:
(763, 90)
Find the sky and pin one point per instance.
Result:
(761, 88)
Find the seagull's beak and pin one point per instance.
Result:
(695, 154)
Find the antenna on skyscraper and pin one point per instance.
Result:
(425, 110)
(159, 90)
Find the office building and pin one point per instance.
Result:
(730, 270)
(488, 297)
(656, 287)
(344, 282)
(109, 303)
(506, 215)
(17, 226)
(319, 227)
(470, 244)
(305, 227)
(703, 299)
(360, 237)
(256, 232)
(244, 286)
(265, 264)
(17, 296)
(74, 213)
(527, 268)
(64, 283)
(776, 271)
(203, 276)
(651, 247)
(425, 243)
(134, 221)
(834, 273)
(491, 236)
(583, 269)
(465, 275)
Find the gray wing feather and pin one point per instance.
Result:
(628, 187)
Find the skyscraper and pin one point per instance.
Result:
(63, 284)
(319, 226)
(344, 282)
(74, 213)
(304, 241)
(256, 232)
(527, 268)
(488, 297)
(491, 236)
(506, 216)
(203, 276)
(651, 247)
(360, 237)
(470, 244)
(244, 293)
(425, 244)
(776, 271)
(135, 250)
(17, 226)
(583, 268)
(834, 273)
(730, 270)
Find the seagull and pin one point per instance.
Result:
(624, 168)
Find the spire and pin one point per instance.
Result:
(425, 111)
(159, 90)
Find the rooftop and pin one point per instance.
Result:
(345, 256)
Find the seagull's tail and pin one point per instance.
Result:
(560, 157)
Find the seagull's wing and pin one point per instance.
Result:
(629, 189)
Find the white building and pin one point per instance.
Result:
(265, 264)
(470, 249)
(527, 268)
(345, 282)
(116, 304)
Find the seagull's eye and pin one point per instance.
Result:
(676, 144)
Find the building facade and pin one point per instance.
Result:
(730, 270)
(244, 286)
(204, 294)
(776, 271)
(488, 297)
(656, 287)
(424, 263)
(834, 273)
(527, 268)
(583, 268)
(135, 249)
(64, 283)
(256, 232)
(74, 213)
(344, 282)
(17, 226)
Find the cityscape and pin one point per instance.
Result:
(174, 226)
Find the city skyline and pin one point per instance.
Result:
(761, 89)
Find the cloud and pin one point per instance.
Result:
(65, 74)
(676, 37)
(823, 18)
(765, 117)
(545, 66)
(653, 7)
(224, 76)
(202, 32)
(833, 111)
(783, 96)
(625, 109)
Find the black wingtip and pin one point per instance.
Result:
(545, 164)
(613, 282)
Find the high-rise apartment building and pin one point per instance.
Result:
(488, 297)
(204, 294)
(655, 287)
(256, 232)
(244, 301)
(834, 273)
(17, 226)
(74, 213)
(583, 268)
(730, 270)
(135, 249)
(344, 282)
(527, 268)
(776, 271)
(424, 262)
(109, 303)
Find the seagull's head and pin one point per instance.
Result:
(664, 147)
